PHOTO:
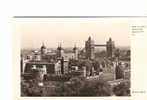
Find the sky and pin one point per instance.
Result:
(71, 31)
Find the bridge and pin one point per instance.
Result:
(90, 48)
(100, 45)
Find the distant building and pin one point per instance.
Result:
(47, 61)
(47, 67)
(81, 54)
(60, 62)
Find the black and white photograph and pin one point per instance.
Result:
(74, 57)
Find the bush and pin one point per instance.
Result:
(78, 87)
(96, 88)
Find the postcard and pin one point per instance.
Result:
(79, 58)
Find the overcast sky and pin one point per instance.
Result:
(72, 31)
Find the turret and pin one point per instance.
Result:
(110, 48)
(43, 49)
(89, 47)
(60, 51)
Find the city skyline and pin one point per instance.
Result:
(69, 32)
(67, 52)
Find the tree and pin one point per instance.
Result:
(96, 88)
(122, 89)
(30, 89)
(71, 89)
